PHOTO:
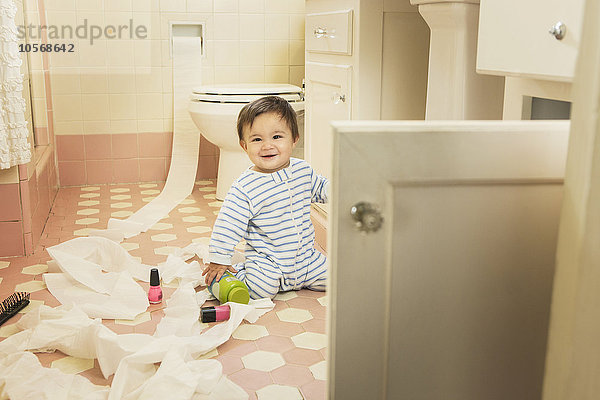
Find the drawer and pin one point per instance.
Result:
(329, 32)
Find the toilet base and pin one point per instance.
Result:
(231, 166)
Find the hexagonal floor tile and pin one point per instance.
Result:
(121, 214)
(216, 204)
(89, 195)
(165, 250)
(82, 232)
(207, 189)
(120, 197)
(161, 226)
(31, 286)
(278, 392)
(35, 269)
(310, 340)
(151, 191)
(121, 205)
(210, 354)
(319, 370)
(210, 196)
(1, 279)
(140, 318)
(87, 221)
(8, 330)
(250, 332)
(119, 190)
(283, 296)
(88, 203)
(33, 304)
(189, 210)
(199, 229)
(88, 211)
(203, 240)
(90, 189)
(204, 182)
(148, 199)
(130, 246)
(147, 185)
(296, 315)
(216, 212)
(163, 237)
(187, 201)
(193, 218)
(73, 365)
(4, 264)
(323, 300)
(263, 361)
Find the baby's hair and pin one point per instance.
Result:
(263, 105)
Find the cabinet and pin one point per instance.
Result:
(514, 38)
(365, 59)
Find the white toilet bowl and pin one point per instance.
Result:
(214, 110)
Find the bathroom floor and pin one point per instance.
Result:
(281, 356)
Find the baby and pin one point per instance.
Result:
(269, 207)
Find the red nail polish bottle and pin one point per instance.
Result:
(155, 292)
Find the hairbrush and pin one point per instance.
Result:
(12, 305)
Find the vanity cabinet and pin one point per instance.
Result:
(365, 59)
(515, 38)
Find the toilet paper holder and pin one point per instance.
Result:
(187, 29)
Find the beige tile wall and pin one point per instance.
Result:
(124, 86)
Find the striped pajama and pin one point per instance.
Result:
(271, 212)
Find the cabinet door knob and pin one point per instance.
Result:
(366, 216)
(338, 98)
(559, 30)
(323, 33)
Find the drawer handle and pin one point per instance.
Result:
(338, 98)
(322, 33)
(559, 30)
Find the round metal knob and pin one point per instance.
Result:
(366, 216)
(559, 30)
(320, 32)
(338, 98)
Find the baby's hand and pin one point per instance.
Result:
(214, 270)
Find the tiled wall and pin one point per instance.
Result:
(115, 93)
(27, 191)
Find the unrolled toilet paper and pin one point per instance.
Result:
(186, 140)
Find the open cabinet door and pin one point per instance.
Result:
(449, 298)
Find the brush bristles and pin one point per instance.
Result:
(12, 305)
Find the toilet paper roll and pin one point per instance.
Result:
(186, 140)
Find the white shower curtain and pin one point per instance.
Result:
(14, 148)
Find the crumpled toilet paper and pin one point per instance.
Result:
(130, 357)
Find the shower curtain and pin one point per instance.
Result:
(14, 148)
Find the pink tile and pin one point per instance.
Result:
(25, 206)
(292, 375)
(314, 325)
(207, 148)
(152, 169)
(28, 239)
(50, 118)
(34, 198)
(304, 303)
(99, 171)
(230, 364)
(41, 136)
(70, 147)
(302, 356)
(250, 379)
(207, 167)
(23, 173)
(10, 202)
(125, 145)
(315, 390)
(154, 144)
(11, 239)
(126, 171)
(71, 173)
(284, 329)
(278, 344)
(97, 147)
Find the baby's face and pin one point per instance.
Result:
(268, 143)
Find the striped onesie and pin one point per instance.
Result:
(272, 213)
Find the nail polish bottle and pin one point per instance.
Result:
(215, 314)
(155, 291)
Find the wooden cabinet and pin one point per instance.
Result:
(365, 59)
(515, 38)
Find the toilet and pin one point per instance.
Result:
(214, 110)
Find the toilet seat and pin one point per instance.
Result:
(245, 93)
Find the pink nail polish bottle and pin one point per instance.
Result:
(155, 291)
